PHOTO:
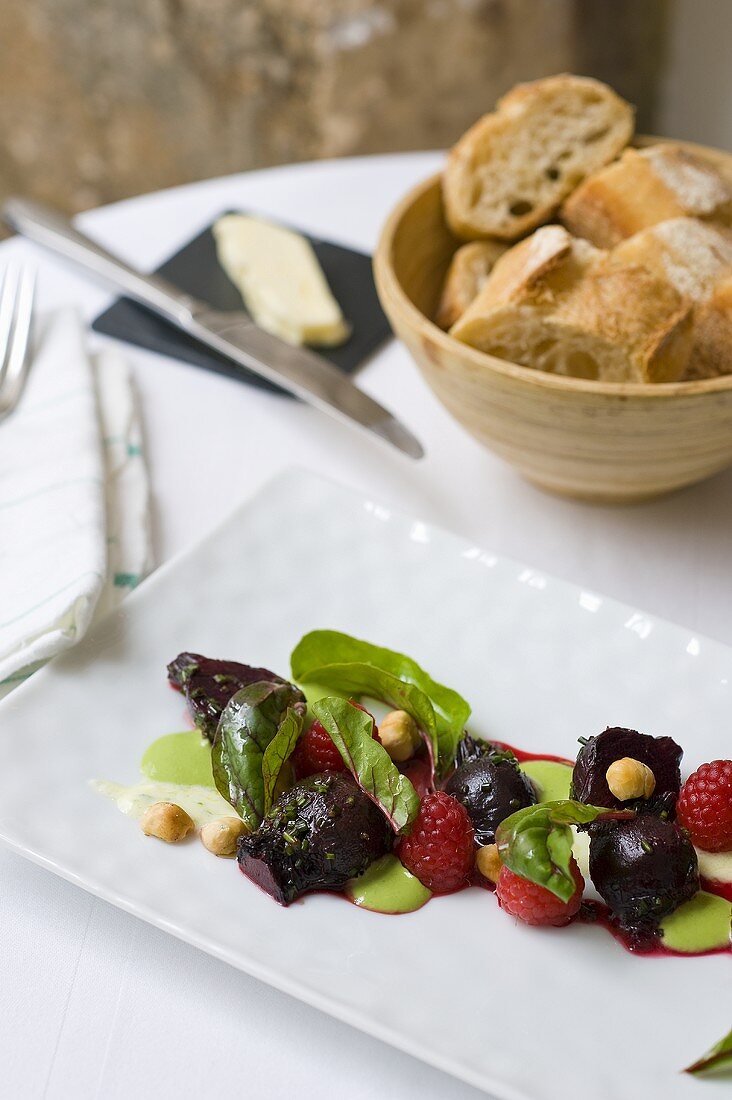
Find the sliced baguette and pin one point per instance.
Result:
(511, 170)
(579, 314)
(537, 269)
(469, 268)
(712, 351)
(642, 189)
(696, 258)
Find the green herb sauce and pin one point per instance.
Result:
(701, 924)
(550, 778)
(183, 758)
(388, 887)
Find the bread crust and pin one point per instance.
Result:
(523, 267)
(642, 189)
(581, 313)
(536, 272)
(712, 351)
(696, 257)
(469, 268)
(633, 309)
(510, 171)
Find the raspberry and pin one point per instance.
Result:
(704, 807)
(535, 904)
(315, 751)
(440, 849)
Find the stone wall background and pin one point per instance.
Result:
(101, 99)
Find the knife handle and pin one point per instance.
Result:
(47, 227)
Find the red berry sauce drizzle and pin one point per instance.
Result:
(721, 889)
(595, 912)
(524, 757)
(591, 912)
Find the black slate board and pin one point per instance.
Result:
(196, 270)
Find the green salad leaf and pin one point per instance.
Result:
(356, 678)
(349, 664)
(278, 752)
(249, 723)
(536, 842)
(352, 733)
(718, 1058)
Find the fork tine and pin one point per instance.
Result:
(8, 295)
(18, 358)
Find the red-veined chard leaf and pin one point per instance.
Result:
(337, 660)
(248, 724)
(356, 678)
(718, 1058)
(536, 842)
(352, 733)
(278, 752)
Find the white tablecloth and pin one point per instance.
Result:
(94, 1003)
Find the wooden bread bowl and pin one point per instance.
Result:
(595, 441)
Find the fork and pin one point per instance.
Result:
(16, 314)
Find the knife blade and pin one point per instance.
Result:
(299, 371)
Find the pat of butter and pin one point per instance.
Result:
(280, 280)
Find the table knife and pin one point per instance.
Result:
(233, 334)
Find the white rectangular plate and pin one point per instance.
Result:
(521, 1013)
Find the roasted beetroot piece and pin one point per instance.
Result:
(209, 684)
(661, 754)
(490, 787)
(471, 748)
(643, 869)
(319, 834)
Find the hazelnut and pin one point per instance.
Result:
(167, 821)
(488, 862)
(221, 836)
(629, 778)
(399, 735)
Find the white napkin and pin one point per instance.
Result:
(74, 531)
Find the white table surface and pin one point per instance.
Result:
(93, 1002)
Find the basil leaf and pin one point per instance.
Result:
(351, 731)
(719, 1057)
(248, 723)
(278, 752)
(318, 652)
(536, 842)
